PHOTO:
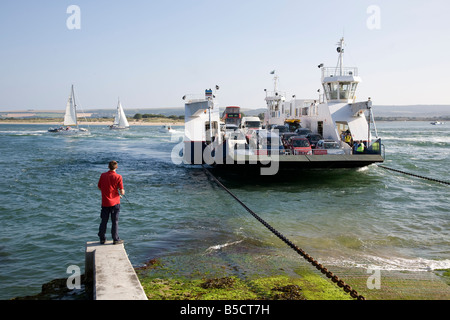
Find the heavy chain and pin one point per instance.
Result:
(339, 282)
(414, 175)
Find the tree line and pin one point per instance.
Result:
(139, 116)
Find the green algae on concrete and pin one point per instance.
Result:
(161, 283)
(194, 289)
(258, 274)
(316, 287)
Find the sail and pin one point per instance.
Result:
(120, 119)
(70, 118)
(116, 118)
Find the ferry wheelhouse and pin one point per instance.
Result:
(333, 113)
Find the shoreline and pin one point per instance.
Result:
(94, 123)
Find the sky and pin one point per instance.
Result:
(152, 53)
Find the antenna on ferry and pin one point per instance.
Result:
(275, 80)
(340, 49)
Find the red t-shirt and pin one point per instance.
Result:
(109, 183)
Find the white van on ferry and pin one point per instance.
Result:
(250, 123)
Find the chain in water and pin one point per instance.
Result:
(353, 293)
(414, 175)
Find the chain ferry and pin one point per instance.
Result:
(333, 131)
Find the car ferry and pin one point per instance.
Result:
(335, 116)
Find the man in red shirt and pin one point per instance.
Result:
(111, 186)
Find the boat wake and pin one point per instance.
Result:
(220, 246)
(23, 133)
(442, 139)
(392, 264)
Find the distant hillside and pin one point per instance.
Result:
(99, 113)
(91, 113)
(417, 111)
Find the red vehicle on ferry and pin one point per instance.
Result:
(299, 145)
(232, 115)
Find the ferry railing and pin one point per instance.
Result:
(336, 71)
(278, 94)
(189, 98)
(375, 148)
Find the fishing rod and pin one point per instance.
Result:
(123, 195)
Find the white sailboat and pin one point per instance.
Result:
(120, 120)
(70, 119)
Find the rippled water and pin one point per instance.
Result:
(50, 204)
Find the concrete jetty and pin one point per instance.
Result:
(110, 272)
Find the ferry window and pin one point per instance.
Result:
(332, 91)
(301, 143)
(331, 145)
(328, 90)
(253, 124)
(275, 106)
(353, 90)
(344, 90)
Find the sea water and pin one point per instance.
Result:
(50, 204)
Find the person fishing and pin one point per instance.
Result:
(111, 186)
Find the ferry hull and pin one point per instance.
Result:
(200, 153)
(193, 152)
(286, 163)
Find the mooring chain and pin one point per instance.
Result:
(415, 175)
(340, 283)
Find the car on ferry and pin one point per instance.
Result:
(299, 145)
(280, 128)
(248, 123)
(266, 142)
(272, 142)
(231, 127)
(235, 139)
(313, 138)
(303, 132)
(285, 138)
(249, 134)
(328, 147)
